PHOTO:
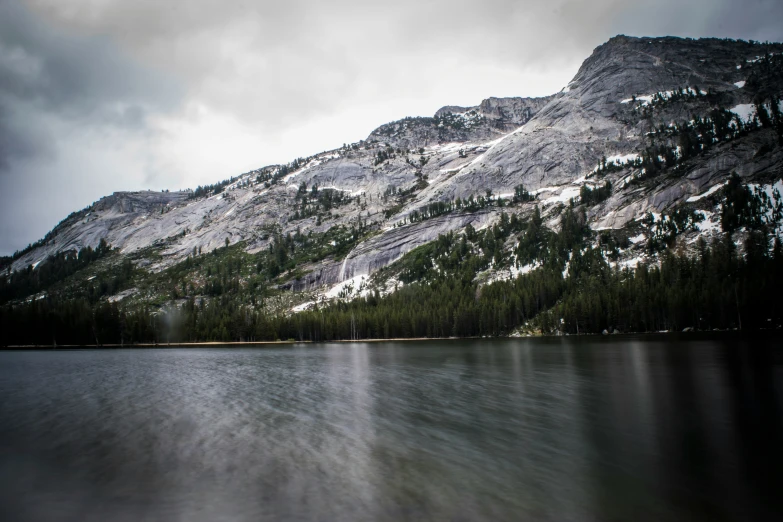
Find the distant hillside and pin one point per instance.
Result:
(654, 146)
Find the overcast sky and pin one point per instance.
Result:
(98, 96)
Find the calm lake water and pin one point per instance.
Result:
(556, 429)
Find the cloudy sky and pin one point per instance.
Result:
(98, 96)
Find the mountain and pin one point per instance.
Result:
(643, 144)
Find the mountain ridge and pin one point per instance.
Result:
(624, 120)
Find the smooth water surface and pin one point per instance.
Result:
(548, 429)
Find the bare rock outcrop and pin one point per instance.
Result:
(552, 146)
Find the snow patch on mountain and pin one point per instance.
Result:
(646, 99)
(744, 111)
(564, 197)
(711, 191)
(710, 223)
(356, 286)
(630, 263)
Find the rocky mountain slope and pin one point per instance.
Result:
(648, 126)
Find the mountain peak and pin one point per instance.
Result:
(648, 126)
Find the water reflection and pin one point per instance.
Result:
(552, 429)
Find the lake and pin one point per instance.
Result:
(584, 429)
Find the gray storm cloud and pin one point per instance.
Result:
(98, 96)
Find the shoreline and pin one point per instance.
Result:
(221, 343)
(212, 344)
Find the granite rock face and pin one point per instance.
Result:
(491, 119)
(551, 146)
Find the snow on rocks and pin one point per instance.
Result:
(756, 59)
(122, 295)
(351, 193)
(304, 306)
(630, 263)
(567, 194)
(544, 189)
(744, 111)
(646, 99)
(568, 87)
(494, 143)
(774, 192)
(356, 286)
(567, 266)
(468, 118)
(710, 223)
(390, 286)
(353, 288)
(448, 147)
(311, 164)
(773, 209)
(619, 159)
(711, 191)
(512, 272)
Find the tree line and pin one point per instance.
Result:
(573, 288)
